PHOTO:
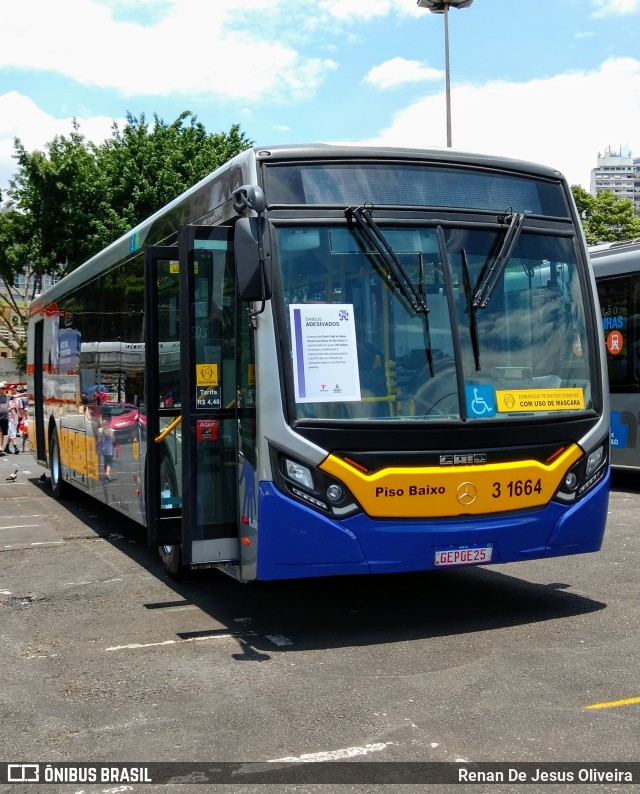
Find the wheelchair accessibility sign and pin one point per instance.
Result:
(481, 401)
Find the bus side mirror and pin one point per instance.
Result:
(252, 276)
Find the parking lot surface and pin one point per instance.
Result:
(106, 659)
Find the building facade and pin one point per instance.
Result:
(619, 174)
(13, 312)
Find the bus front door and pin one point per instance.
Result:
(208, 380)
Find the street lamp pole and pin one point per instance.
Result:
(447, 73)
(442, 7)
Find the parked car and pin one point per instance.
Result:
(123, 419)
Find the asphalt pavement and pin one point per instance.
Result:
(105, 659)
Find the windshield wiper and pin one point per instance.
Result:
(471, 310)
(417, 297)
(485, 289)
(364, 220)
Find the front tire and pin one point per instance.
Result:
(171, 557)
(60, 488)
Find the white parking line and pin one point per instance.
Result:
(136, 645)
(334, 755)
(28, 545)
(33, 515)
(20, 526)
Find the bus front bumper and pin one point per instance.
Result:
(297, 542)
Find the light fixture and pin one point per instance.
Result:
(438, 6)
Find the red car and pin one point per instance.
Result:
(124, 419)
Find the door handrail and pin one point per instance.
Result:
(169, 429)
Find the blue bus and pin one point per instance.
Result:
(337, 360)
(617, 270)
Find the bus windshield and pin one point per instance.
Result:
(362, 348)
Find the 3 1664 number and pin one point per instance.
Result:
(515, 488)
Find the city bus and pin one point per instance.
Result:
(617, 270)
(327, 360)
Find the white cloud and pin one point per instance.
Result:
(367, 9)
(400, 71)
(611, 7)
(190, 49)
(562, 122)
(20, 117)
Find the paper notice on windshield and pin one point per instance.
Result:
(325, 358)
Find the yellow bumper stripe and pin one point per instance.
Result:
(445, 491)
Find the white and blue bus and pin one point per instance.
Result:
(617, 270)
(330, 360)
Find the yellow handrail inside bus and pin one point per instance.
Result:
(167, 430)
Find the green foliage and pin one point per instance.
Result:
(77, 197)
(16, 238)
(71, 200)
(21, 359)
(56, 193)
(143, 168)
(605, 217)
(18, 254)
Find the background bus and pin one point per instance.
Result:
(617, 271)
(343, 361)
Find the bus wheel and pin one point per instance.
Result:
(171, 557)
(59, 486)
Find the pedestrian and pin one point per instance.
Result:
(24, 430)
(22, 394)
(14, 412)
(104, 447)
(4, 415)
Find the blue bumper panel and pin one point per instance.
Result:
(581, 528)
(296, 542)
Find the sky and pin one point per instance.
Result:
(552, 81)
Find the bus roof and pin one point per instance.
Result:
(610, 259)
(440, 155)
(198, 203)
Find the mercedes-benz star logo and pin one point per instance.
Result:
(466, 493)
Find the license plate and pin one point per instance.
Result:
(463, 555)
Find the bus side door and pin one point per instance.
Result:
(209, 406)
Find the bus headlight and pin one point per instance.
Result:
(571, 481)
(594, 460)
(584, 475)
(334, 493)
(304, 482)
(299, 473)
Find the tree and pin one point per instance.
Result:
(58, 193)
(80, 196)
(143, 168)
(71, 200)
(18, 255)
(605, 217)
